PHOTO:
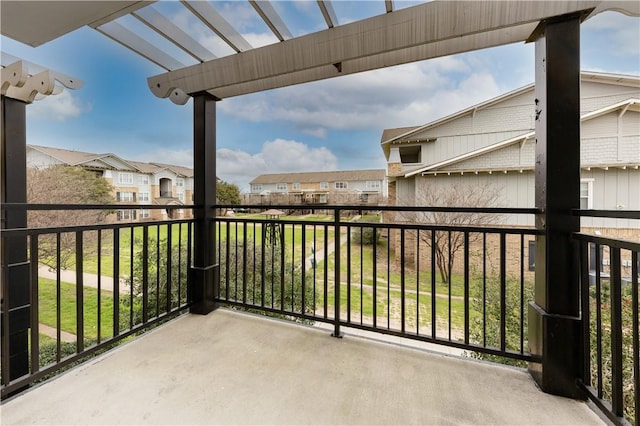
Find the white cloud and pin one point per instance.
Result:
(620, 32)
(57, 107)
(406, 95)
(277, 156)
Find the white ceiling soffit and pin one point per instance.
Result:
(37, 22)
(421, 32)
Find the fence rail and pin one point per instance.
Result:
(462, 286)
(88, 288)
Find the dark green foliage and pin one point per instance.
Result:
(491, 295)
(167, 271)
(627, 344)
(227, 193)
(262, 276)
(365, 236)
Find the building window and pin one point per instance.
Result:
(126, 178)
(296, 185)
(143, 196)
(126, 214)
(586, 194)
(181, 196)
(281, 187)
(373, 184)
(125, 196)
(143, 179)
(179, 182)
(324, 185)
(532, 255)
(410, 154)
(322, 198)
(341, 185)
(144, 214)
(256, 187)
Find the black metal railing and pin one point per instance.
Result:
(466, 286)
(90, 286)
(609, 270)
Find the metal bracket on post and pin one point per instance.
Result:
(204, 289)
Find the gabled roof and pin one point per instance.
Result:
(395, 135)
(179, 170)
(629, 104)
(78, 158)
(314, 177)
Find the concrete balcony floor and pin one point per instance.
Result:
(233, 368)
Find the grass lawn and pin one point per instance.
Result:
(47, 308)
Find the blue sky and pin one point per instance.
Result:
(329, 125)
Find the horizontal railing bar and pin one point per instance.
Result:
(611, 242)
(614, 214)
(602, 405)
(28, 206)
(380, 208)
(412, 226)
(21, 232)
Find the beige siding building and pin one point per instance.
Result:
(334, 187)
(133, 182)
(492, 144)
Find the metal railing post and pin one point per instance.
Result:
(336, 283)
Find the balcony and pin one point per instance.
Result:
(392, 308)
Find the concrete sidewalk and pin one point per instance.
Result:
(233, 368)
(89, 280)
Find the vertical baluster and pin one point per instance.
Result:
(636, 332)
(244, 262)
(169, 264)
(402, 280)
(598, 320)
(417, 281)
(79, 293)
(58, 300)
(336, 254)
(145, 274)
(158, 263)
(617, 395)
(466, 288)
(586, 317)
(116, 282)
(484, 289)
(99, 271)
(35, 306)
(503, 292)
(349, 269)
(433, 284)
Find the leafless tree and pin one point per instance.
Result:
(65, 185)
(448, 243)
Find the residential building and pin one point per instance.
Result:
(492, 144)
(329, 187)
(133, 182)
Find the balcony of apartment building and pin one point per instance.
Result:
(338, 322)
(162, 315)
